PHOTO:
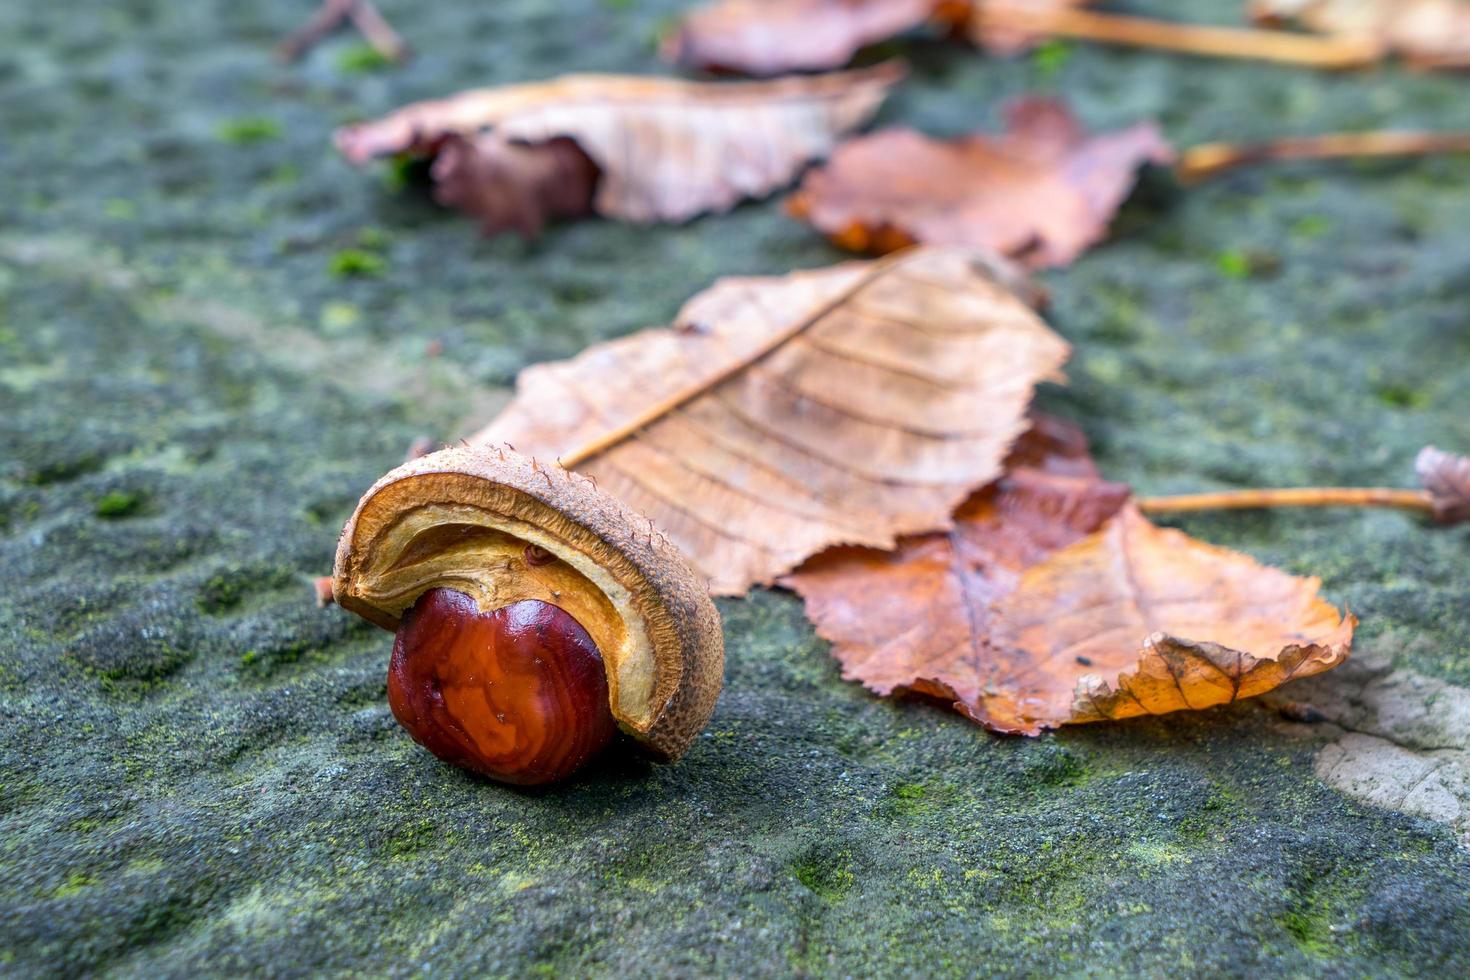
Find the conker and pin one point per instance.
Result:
(518, 693)
(536, 615)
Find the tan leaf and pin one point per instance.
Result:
(665, 149)
(1044, 191)
(1432, 33)
(994, 24)
(784, 415)
(1446, 477)
(767, 37)
(1052, 601)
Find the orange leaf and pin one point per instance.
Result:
(1043, 191)
(784, 415)
(1053, 601)
(1430, 33)
(664, 149)
(767, 37)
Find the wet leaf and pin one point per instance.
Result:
(1053, 601)
(1446, 477)
(1044, 191)
(1430, 33)
(662, 149)
(784, 415)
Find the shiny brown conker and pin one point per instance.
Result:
(518, 693)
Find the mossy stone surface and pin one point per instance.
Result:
(215, 333)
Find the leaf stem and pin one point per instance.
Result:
(1207, 160)
(1333, 51)
(1414, 500)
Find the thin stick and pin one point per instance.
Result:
(1333, 51)
(1415, 500)
(330, 15)
(1199, 163)
(379, 33)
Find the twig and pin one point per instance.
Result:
(1414, 500)
(1333, 51)
(379, 33)
(330, 15)
(1202, 162)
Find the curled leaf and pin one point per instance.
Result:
(1429, 33)
(1052, 601)
(513, 186)
(784, 415)
(1044, 191)
(1137, 619)
(664, 149)
(768, 37)
(1446, 477)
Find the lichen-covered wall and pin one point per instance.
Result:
(214, 334)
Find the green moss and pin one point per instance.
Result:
(362, 58)
(249, 129)
(412, 837)
(827, 877)
(1311, 226)
(355, 263)
(1401, 396)
(120, 209)
(76, 883)
(1051, 56)
(118, 503)
(237, 816)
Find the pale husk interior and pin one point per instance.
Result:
(464, 533)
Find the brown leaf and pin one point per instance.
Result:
(1044, 191)
(666, 149)
(1447, 478)
(1431, 33)
(784, 415)
(513, 186)
(993, 24)
(768, 37)
(1053, 601)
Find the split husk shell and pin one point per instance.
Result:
(464, 518)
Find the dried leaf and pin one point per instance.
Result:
(1053, 601)
(1446, 477)
(768, 37)
(993, 24)
(1044, 191)
(513, 186)
(665, 149)
(784, 415)
(1431, 33)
